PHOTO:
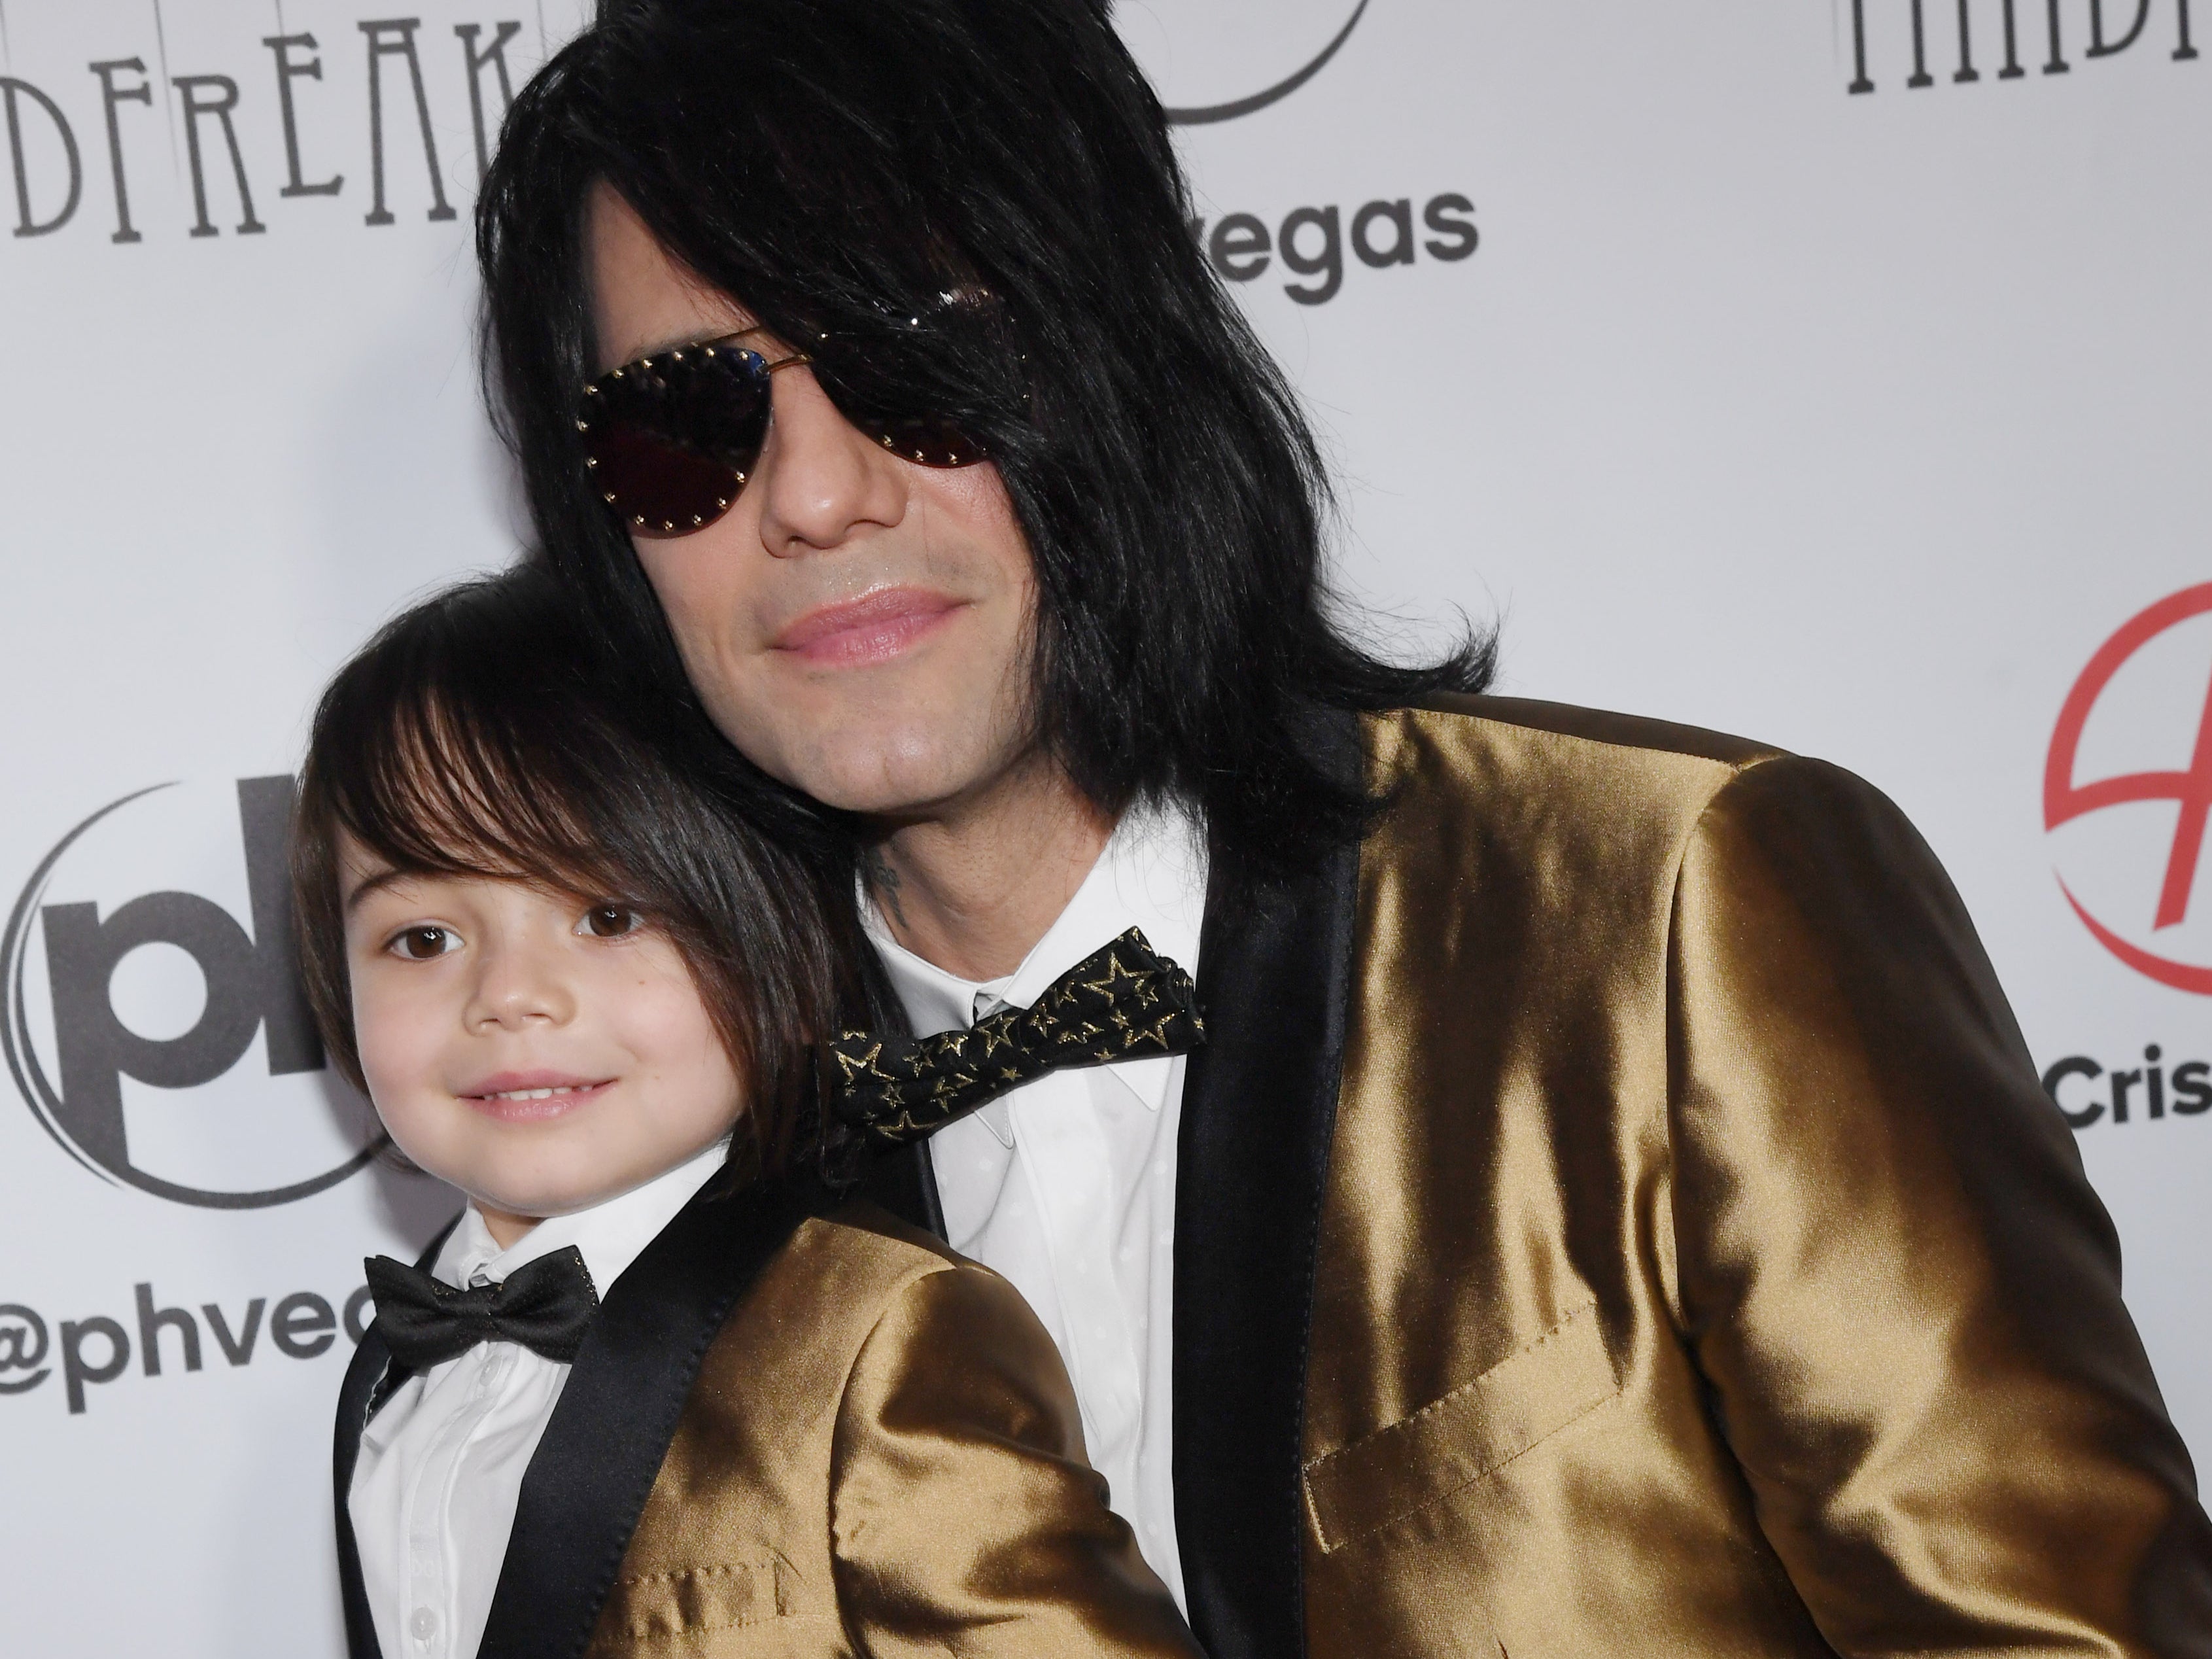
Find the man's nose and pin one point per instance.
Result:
(819, 478)
(519, 988)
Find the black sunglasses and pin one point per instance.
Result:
(671, 438)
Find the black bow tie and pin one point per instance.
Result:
(546, 1306)
(1124, 1002)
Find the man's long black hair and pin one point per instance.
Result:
(834, 164)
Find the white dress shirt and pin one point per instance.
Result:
(441, 1463)
(1066, 1185)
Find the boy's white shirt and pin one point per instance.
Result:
(442, 1462)
(1066, 1185)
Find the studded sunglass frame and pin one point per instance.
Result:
(670, 439)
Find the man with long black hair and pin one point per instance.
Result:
(1613, 1211)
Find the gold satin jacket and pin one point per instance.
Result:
(1699, 1268)
(1617, 1219)
(798, 1436)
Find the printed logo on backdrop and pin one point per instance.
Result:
(2146, 692)
(155, 1024)
(1288, 35)
(96, 1350)
(1222, 60)
(2127, 791)
(273, 121)
(2003, 40)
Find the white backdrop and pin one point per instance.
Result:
(1857, 420)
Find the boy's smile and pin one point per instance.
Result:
(541, 1053)
(532, 1096)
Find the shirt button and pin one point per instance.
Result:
(422, 1625)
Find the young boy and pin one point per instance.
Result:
(658, 1389)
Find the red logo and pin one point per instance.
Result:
(2064, 800)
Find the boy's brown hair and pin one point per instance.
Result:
(483, 733)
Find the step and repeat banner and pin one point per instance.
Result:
(1833, 370)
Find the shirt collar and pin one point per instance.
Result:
(1150, 875)
(610, 1235)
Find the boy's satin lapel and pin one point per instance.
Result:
(1258, 1110)
(370, 1362)
(589, 1478)
(361, 1377)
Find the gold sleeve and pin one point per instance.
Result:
(964, 1516)
(1889, 1266)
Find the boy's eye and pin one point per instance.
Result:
(609, 921)
(421, 944)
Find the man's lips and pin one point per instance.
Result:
(870, 629)
(533, 1096)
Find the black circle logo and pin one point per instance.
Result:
(1229, 110)
(141, 1107)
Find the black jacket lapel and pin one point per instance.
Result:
(904, 1183)
(1259, 1107)
(363, 1378)
(588, 1481)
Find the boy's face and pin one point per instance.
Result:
(539, 1053)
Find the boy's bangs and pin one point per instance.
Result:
(443, 789)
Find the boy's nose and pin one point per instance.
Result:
(518, 988)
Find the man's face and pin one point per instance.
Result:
(861, 626)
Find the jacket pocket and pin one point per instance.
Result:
(687, 1604)
(1473, 1431)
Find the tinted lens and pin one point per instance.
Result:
(658, 488)
(670, 439)
(870, 398)
(928, 440)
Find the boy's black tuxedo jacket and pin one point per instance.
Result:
(805, 1434)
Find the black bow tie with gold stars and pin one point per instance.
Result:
(1125, 1002)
